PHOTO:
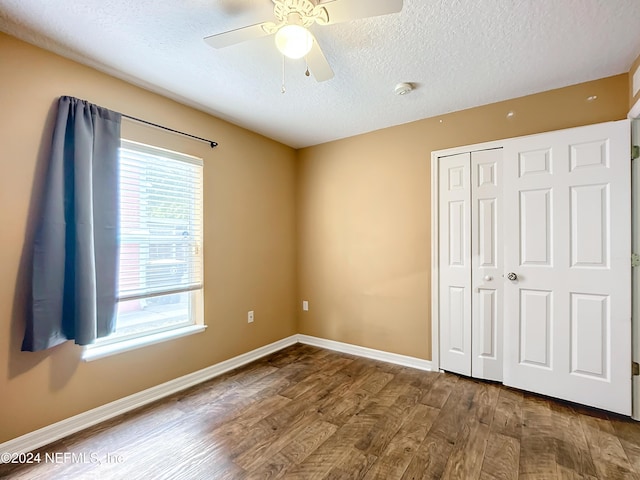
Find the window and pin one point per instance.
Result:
(160, 263)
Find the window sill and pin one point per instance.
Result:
(92, 353)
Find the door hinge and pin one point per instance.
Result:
(635, 152)
(635, 369)
(635, 260)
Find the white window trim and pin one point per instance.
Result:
(99, 350)
(95, 352)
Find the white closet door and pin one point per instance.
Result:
(567, 316)
(455, 263)
(486, 264)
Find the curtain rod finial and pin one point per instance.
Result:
(214, 144)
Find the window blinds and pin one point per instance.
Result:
(160, 222)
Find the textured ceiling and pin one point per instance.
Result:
(458, 53)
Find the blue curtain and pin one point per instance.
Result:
(75, 256)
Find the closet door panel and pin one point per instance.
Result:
(567, 238)
(454, 229)
(486, 264)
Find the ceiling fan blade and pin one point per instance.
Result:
(345, 10)
(317, 63)
(239, 35)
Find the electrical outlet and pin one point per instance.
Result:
(250, 316)
(305, 305)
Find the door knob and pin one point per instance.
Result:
(512, 276)
(488, 278)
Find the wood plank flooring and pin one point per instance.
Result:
(308, 413)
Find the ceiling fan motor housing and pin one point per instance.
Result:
(307, 10)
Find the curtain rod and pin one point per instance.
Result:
(210, 142)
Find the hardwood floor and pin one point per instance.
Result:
(307, 413)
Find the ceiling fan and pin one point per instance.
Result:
(294, 17)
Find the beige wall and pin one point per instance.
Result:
(249, 204)
(364, 213)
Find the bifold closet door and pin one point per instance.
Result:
(454, 187)
(567, 233)
(471, 264)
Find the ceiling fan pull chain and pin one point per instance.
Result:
(283, 87)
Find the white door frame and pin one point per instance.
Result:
(435, 245)
(634, 115)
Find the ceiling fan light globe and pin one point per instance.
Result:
(294, 41)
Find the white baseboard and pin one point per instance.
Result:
(49, 434)
(371, 353)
